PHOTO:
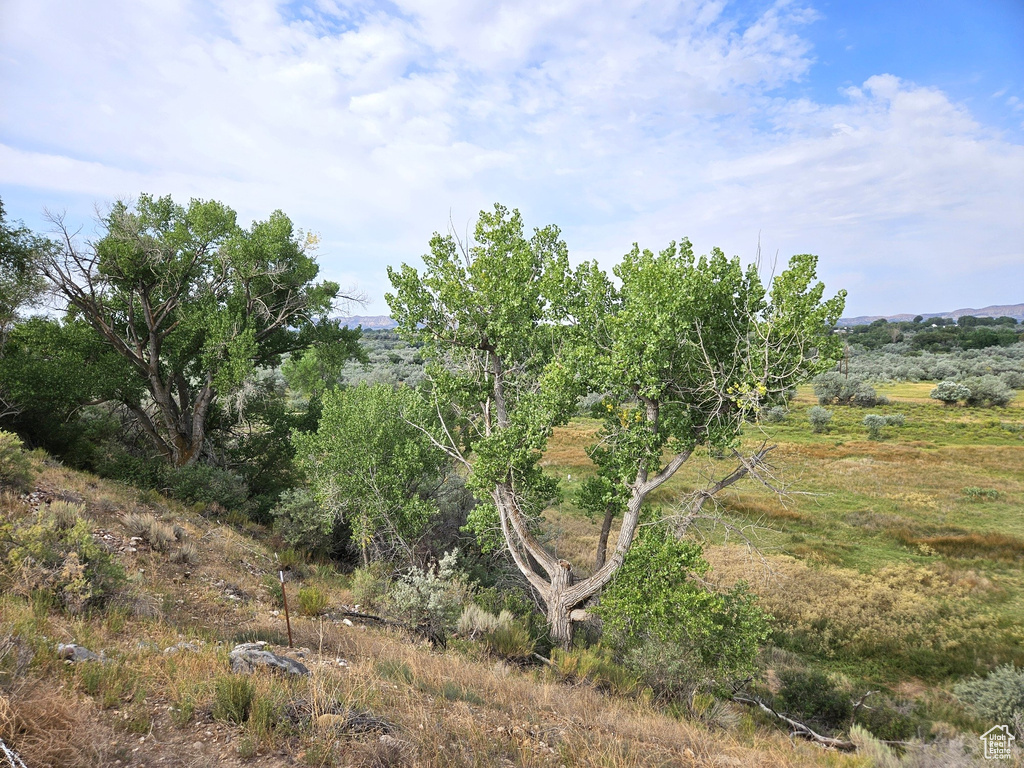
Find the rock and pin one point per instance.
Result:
(247, 657)
(73, 653)
(353, 722)
(183, 647)
(399, 748)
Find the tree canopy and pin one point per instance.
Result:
(192, 304)
(682, 348)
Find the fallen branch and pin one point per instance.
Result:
(425, 631)
(799, 728)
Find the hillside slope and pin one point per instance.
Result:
(164, 695)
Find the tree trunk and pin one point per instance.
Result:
(559, 623)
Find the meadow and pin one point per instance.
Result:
(890, 560)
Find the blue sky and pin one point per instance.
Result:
(886, 137)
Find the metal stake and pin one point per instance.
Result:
(284, 599)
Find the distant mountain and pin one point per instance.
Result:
(370, 322)
(1016, 311)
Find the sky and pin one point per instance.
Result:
(885, 137)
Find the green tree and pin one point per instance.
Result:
(193, 304)
(685, 347)
(368, 465)
(21, 285)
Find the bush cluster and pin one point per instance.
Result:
(833, 388)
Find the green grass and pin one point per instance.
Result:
(944, 492)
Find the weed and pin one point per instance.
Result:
(187, 553)
(455, 692)
(312, 601)
(396, 671)
(247, 748)
(292, 560)
(232, 698)
(146, 526)
(595, 666)
(974, 493)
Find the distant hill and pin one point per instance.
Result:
(370, 322)
(1015, 311)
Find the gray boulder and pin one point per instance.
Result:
(247, 657)
(72, 652)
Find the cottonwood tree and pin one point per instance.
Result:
(368, 465)
(21, 286)
(193, 303)
(683, 348)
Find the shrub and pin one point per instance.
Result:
(233, 698)
(312, 601)
(886, 719)
(502, 635)
(671, 631)
(874, 423)
(813, 697)
(510, 640)
(303, 522)
(370, 584)
(202, 483)
(57, 552)
(1013, 379)
(776, 414)
(988, 390)
(950, 392)
(819, 419)
(431, 597)
(828, 387)
(15, 466)
(476, 622)
(998, 697)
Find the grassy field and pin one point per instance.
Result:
(894, 561)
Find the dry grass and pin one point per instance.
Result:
(49, 729)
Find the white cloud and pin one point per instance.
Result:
(620, 121)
